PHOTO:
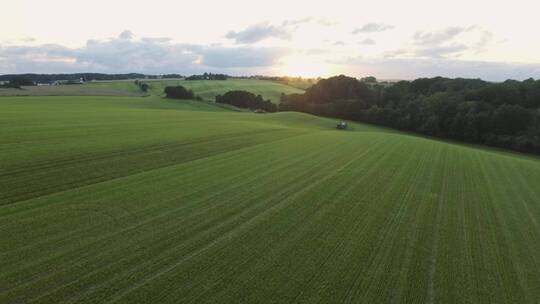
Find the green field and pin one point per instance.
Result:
(147, 200)
(207, 89)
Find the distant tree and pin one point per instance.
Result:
(369, 79)
(208, 76)
(247, 100)
(20, 81)
(179, 92)
(144, 87)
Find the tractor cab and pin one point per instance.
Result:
(342, 125)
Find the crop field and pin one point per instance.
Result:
(146, 200)
(112, 88)
(207, 89)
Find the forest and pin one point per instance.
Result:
(504, 115)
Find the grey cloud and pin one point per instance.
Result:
(127, 54)
(485, 38)
(126, 35)
(396, 53)
(373, 27)
(224, 57)
(439, 37)
(368, 41)
(259, 32)
(320, 21)
(446, 42)
(29, 39)
(440, 51)
(410, 68)
(156, 40)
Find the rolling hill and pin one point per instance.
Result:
(127, 88)
(146, 200)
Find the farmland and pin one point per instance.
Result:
(205, 89)
(147, 200)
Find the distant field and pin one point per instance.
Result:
(205, 88)
(147, 200)
(209, 89)
(113, 88)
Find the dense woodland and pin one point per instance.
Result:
(246, 100)
(505, 115)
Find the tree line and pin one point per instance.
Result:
(239, 99)
(246, 100)
(179, 92)
(208, 76)
(505, 115)
(50, 78)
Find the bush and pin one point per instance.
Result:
(179, 92)
(246, 100)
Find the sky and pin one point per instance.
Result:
(492, 40)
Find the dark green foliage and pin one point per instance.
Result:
(246, 100)
(19, 81)
(171, 76)
(503, 114)
(369, 79)
(208, 76)
(179, 92)
(49, 78)
(73, 82)
(144, 87)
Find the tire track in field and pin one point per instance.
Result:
(388, 231)
(309, 213)
(140, 211)
(510, 235)
(497, 235)
(36, 211)
(305, 175)
(418, 218)
(15, 195)
(213, 194)
(286, 164)
(355, 224)
(436, 231)
(240, 150)
(236, 230)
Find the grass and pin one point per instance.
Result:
(209, 89)
(113, 88)
(205, 88)
(145, 200)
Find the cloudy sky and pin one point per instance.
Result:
(493, 40)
